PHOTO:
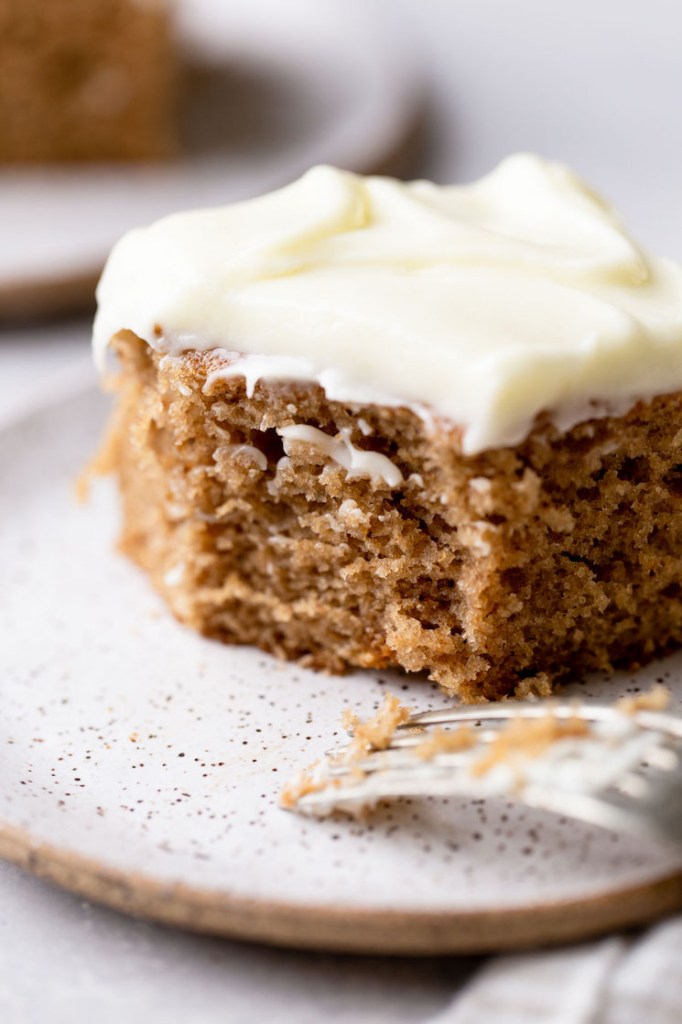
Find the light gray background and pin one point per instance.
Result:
(597, 83)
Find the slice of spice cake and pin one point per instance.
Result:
(368, 423)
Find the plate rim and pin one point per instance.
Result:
(331, 928)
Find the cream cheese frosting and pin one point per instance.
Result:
(355, 461)
(484, 303)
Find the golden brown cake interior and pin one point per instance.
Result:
(494, 573)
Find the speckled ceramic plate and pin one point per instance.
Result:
(140, 764)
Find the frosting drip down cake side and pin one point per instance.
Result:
(362, 423)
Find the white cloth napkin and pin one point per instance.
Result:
(615, 981)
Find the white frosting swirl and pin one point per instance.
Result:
(485, 303)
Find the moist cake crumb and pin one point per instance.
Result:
(496, 574)
(655, 699)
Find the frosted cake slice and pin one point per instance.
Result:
(368, 423)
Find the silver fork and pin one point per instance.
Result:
(625, 774)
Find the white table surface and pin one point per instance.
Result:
(596, 83)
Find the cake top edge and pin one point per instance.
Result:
(487, 303)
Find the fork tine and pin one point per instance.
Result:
(659, 813)
(503, 711)
(633, 785)
(593, 810)
(412, 740)
(397, 760)
(663, 758)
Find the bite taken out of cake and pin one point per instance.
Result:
(367, 423)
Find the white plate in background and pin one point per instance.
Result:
(283, 86)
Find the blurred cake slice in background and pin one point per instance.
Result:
(86, 80)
